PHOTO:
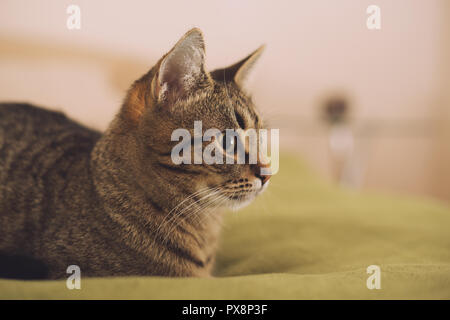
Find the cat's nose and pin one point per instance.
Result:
(264, 178)
(257, 172)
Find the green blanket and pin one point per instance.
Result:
(302, 239)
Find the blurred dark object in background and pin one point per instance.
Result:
(336, 110)
(346, 159)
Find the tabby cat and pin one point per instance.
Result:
(114, 203)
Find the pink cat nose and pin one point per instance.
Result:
(264, 178)
(257, 171)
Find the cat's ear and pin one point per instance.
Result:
(182, 69)
(239, 71)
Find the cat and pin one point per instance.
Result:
(115, 204)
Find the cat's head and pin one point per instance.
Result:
(178, 91)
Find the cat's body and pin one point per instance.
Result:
(55, 202)
(44, 157)
(111, 203)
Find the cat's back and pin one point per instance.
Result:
(27, 131)
(18, 119)
(34, 142)
(44, 157)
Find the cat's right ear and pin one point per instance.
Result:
(238, 72)
(182, 70)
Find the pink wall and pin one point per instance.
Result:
(313, 48)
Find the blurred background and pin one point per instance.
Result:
(367, 108)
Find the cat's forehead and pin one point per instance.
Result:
(243, 106)
(225, 96)
(223, 105)
(237, 102)
(233, 97)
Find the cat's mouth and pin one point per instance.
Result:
(244, 193)
(233, 194)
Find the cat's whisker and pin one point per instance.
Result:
(222, 199)
(174, 216)
(203, 190)
(206, 205)
(179, 214)
(212, 192)
(201, 208)
(211, 205)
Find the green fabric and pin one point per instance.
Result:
(303, 239)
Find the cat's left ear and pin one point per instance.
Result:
(182, 69)
(239, 71)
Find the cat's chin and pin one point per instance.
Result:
(236, 205)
